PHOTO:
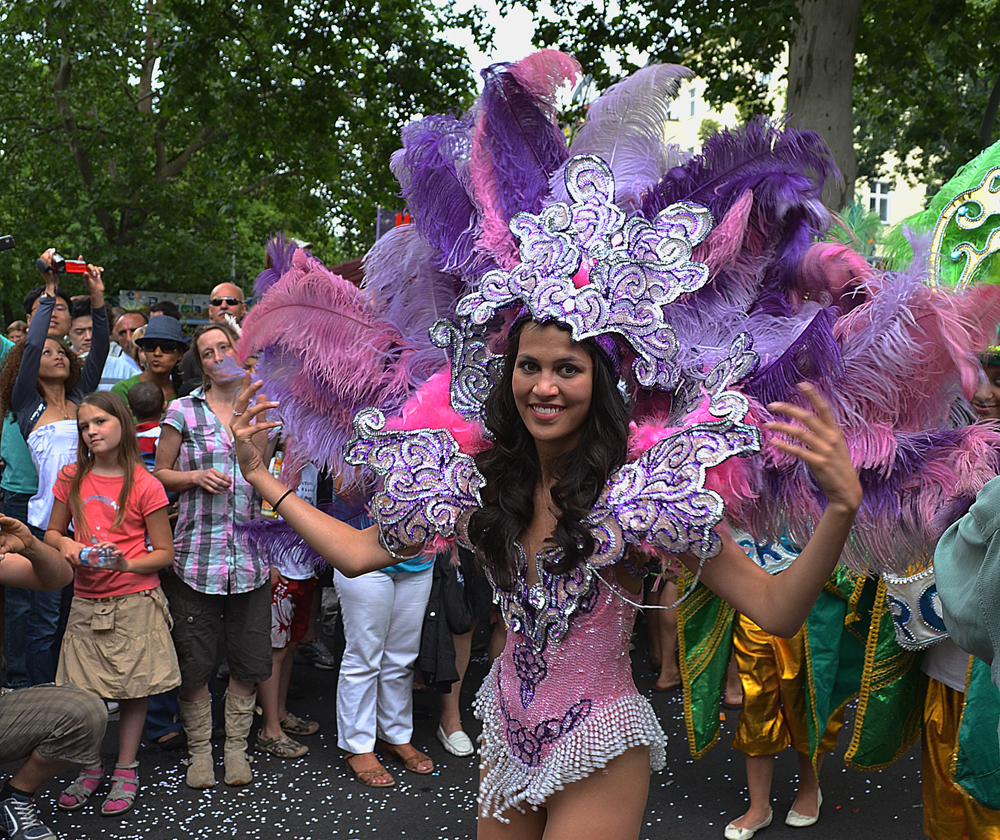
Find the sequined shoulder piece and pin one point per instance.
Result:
(430, 488)
(661, 500)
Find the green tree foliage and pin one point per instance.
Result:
(926, 81)
(165, 139)
(707, 128)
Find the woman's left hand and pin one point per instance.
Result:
(823, 448)
(120, 563)
(250, 427)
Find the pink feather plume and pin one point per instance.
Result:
(430, 408)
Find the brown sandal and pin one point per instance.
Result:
(413, 762)
(368, 777)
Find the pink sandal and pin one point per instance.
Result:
(124, 786)
(77, 794)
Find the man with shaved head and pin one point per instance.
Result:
(226, 305)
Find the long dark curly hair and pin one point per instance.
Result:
(511, 470)
(12, 364)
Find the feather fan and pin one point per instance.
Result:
(326, 352)
(784, 167)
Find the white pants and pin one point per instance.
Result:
(383, 616)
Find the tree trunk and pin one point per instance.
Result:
(820, 83)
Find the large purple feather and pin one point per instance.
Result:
(279, 252)
(628, 127)
(524, 142)
(784, 167)
(412, 294)
(431, 170)
(813, 356)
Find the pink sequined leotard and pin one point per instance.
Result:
(560, 702)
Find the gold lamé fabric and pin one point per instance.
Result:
(774, 676)
(949, 813)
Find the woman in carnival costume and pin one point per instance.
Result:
(600, 389)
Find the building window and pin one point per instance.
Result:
(694, 98)
(878, 199)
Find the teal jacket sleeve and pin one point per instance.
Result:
(967, 570)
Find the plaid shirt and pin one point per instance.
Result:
(208, 554)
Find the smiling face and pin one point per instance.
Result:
(552, 383)
(54, 363)
(986, 402)
(100, 431)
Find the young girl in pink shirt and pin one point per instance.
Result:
(109, 521)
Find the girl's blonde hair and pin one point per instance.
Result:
(129, 459)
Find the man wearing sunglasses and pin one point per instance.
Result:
(227, 299)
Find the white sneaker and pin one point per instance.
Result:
(458, 743)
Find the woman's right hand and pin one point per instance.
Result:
(250, 427)
(212, 480)
(50, 278)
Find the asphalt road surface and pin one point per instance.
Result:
(317, 797)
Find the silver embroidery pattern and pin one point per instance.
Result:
(474, 369)
(660, 499)
(542, 612)
(585, 266)
(430, 487)
(739, 363)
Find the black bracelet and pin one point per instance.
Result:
(274, 507)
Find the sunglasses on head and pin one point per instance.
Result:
(225, 300)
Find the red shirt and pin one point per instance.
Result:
(100, 506)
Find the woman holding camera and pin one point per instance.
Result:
(42, 383)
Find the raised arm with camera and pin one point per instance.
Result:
(35, 392)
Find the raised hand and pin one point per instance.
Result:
(822, 447)
(49, 277)
(250, 427)
(95, 285)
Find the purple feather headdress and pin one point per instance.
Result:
(707, 276)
